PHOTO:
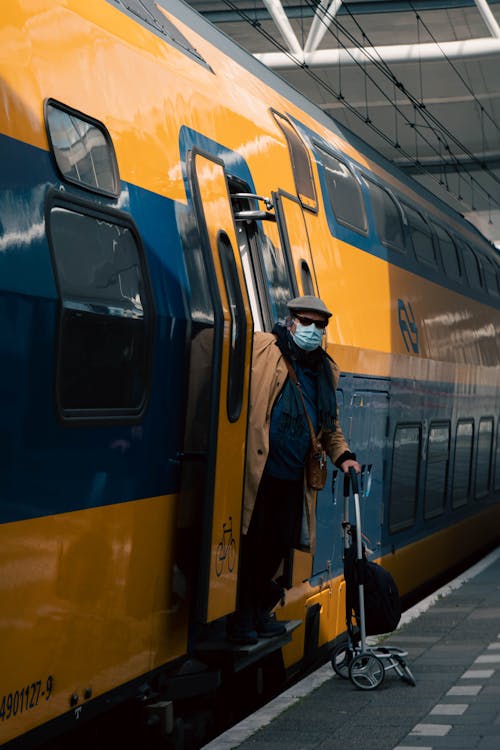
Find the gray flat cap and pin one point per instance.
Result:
(308, 302)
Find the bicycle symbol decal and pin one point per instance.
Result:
(226, 549)
(409, 330)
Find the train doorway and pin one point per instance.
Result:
(219, 384)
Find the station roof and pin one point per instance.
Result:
(418, 80)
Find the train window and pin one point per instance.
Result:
(483, 457)
(438, 448)
(238, 328)
(301, 163)
(472, 268)
(105, 317)
(344, 193)
(497, 459)
(387, 217)
(489, 276)
(82, 148)
(449, 253)
(404, 483)
(421, 236)
(153, 16)
(462, 467)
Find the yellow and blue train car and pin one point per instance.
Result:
(163, 196)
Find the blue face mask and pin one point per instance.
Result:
(307, 338)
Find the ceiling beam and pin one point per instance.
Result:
(283, 25)
(311, 57)
(488, 18)
(321, 23)
(392, 53)
(433, 165)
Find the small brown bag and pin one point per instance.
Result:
(316, 465)
(316, 456)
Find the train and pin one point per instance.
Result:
(163, 195)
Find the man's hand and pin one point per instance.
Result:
(346, 465)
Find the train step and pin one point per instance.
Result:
(242, 655)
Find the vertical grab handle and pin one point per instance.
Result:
(354, 480)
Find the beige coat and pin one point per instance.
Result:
(269, 373)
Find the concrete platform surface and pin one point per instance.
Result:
(453, 644)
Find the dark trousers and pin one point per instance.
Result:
(273, 532)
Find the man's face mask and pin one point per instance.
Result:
(308, 337)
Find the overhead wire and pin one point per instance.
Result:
(440, 132)
(428, 117)
(337, 95)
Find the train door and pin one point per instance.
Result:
(329, 508)
(364, 421)
(294, 237)
(275, 244)
(219, 383)
(369, 423)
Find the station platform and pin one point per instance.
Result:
(453, 644)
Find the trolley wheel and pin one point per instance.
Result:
(341, 659)
(366, 671)
(404, 671)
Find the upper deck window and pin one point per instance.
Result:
(82, 148)
(421, 236)
(449, 253)
(490, 276)
(301, 163)
(387, 217)
(472, 268)
(344, 193)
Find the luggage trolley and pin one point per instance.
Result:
(353, 659)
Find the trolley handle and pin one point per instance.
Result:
(352, 478)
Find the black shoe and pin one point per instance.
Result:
(268, 626)
(241, 630)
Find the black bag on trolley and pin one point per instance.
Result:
(381, 595)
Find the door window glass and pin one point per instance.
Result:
(236, 376)
(278, 278)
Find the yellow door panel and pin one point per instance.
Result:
(232, 351)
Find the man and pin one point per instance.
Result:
(278, 504)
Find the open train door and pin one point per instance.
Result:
(294, 237)
(227, 337)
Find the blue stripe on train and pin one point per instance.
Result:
(45, 466)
